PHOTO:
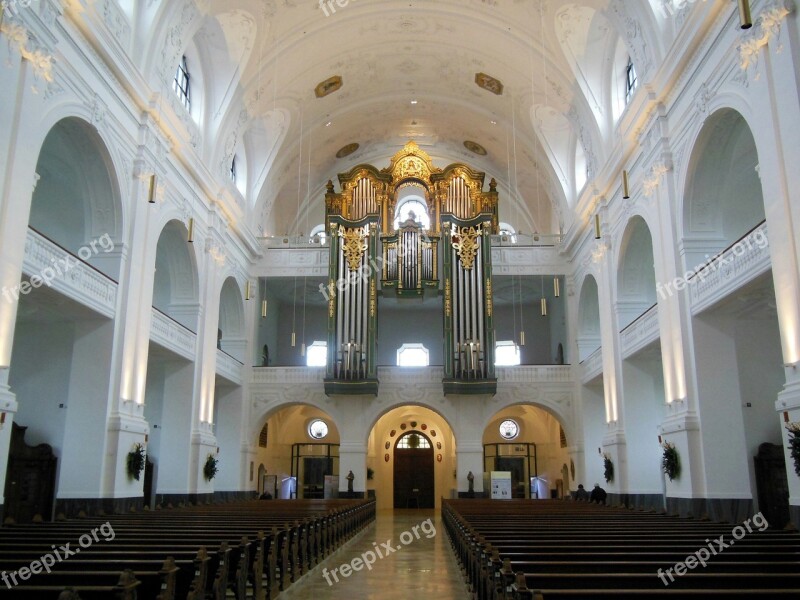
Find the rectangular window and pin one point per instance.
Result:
(317, 354)
(631, 82)
(506, 354)
(181, 84)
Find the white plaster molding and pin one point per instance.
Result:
(592, 366)
(81, 282)
(766, 28)
(229, 368)
(729, 272)
(172, 335)
(639, 334)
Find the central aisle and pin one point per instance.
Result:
(422, 567)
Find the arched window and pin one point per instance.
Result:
(318, 235)
(415, 209)
(412, 355)
(507, 233)
(233, 170)
(413, 440)
(182, 84)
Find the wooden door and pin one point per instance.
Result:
(31, 479)
(772, 484)
(414, 485)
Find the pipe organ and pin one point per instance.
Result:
(406, 258)
(411, 260)
(468, 322)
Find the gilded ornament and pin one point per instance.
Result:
(465, 241)
(354, 247)
(489, 296)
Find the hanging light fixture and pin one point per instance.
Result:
(745, 19)
(264, 302)
(625, 191)
(543, 300)
(556, 287)
(247, 290)
(190, 236)
(597, 226)
(521, 317)
(151, 189)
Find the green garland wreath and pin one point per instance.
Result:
(608, 468)
(136, 461)
(794, 445)
(670, 461)
(211, 467)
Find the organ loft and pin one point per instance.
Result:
(439, 247)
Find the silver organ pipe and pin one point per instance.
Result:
(479, 312)
(365, 199)
(469, 334)
(459, 202)
(352, 314)
(340, 313)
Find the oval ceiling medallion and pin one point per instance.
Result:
(328, 86)
(475, 147)
(347, 150)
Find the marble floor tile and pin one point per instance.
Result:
(424, 567)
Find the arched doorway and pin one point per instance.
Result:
(298, 448)
(383, 450)
(413, 471)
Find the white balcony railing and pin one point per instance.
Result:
(229, 368)
(415, 375)
(73, 278)
(170, 334)
(592, 366)
(735, 267)
(640, 333)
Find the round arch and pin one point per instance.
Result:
(77, 198)
(535, 455)
(176, 289)
(231, 322)
(588, 318)
(636, 276)
(723, 195)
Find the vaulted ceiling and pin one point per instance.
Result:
(409, 70)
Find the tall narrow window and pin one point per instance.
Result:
(181, 84)
(631, 82)
(233, 170)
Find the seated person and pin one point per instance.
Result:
(598, 494)
(265, 496)
(581, 493)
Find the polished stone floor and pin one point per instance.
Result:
(421, 566)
